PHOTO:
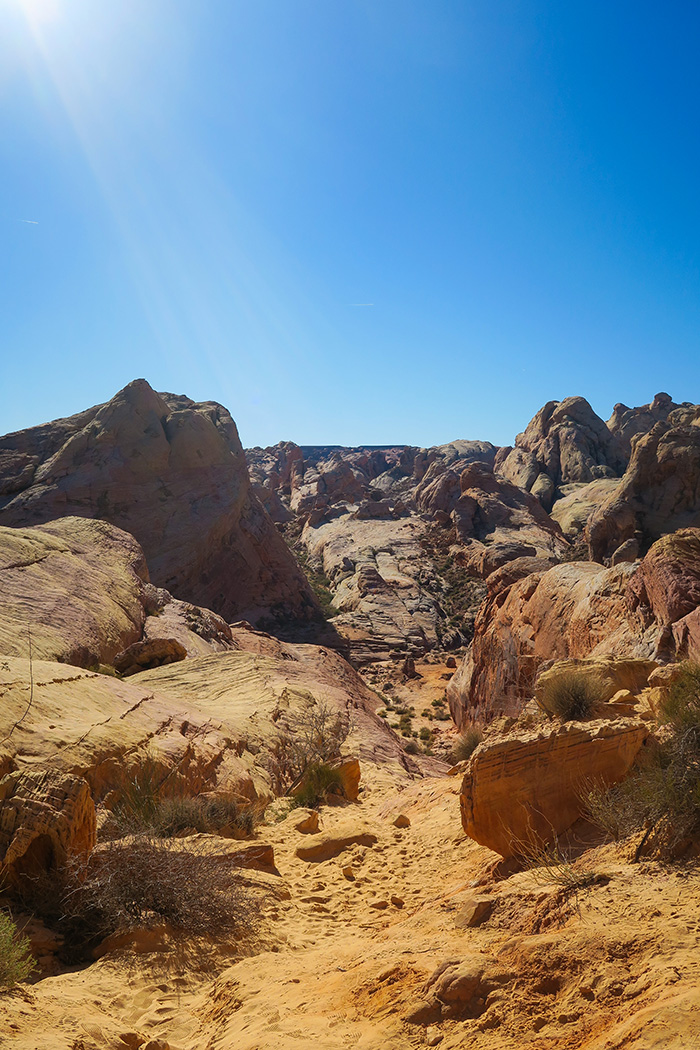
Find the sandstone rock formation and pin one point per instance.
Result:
(207, 723)
(497, 522)
(172, 473)
(646, 610)
(522, 790)
(81, 589)
(567, 442)
(46, 819)
(659, 493)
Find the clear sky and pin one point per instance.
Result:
(349, 220)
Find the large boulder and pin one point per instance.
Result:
(659, 493)
(79, 591)
(522, 790)
(172, 473)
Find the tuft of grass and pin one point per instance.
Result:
(319, 781)
(681, 708)
(145, 808)
(466, 745)
(16, 961)
(572, 695)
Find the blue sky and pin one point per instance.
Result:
(207, 193)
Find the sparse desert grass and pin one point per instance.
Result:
(145, 807)
(662, 797)
(16, 962)
(572, 695)
(466, 744)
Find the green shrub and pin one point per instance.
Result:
(425, 733)
(320, 780)
(572, 695)
(16, 961)
(466, 744)
(411, 747)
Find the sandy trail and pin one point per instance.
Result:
(345, 947)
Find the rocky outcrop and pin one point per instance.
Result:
(523, 790)
(497, 522)
(646, 610)
(207, 724)
(47, 818)
(172, 473)
(567, 442)
(627, 423)
(659, 493)
(574, 507)
(575, 610)
(81, 589)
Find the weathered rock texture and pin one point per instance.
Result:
(567, 442)
(207, 723)
(646, 610)
(46, 819)
(81, 588)
(172, 473)
(523, 790)
(659, 493)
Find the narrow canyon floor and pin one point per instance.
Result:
(368, 943)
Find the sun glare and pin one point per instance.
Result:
(40, 11)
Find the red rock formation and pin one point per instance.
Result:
(659, 493)
(577, 610)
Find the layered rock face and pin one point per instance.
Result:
(523, 790)
(173, 474)
(78, 591)
(48, 818)
(580, 609)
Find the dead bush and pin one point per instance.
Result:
(312, 736)
(139, 882)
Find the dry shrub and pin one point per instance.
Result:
(140, 882)
(572, 695)
(16, 961)
(662, 798)
(312, 736)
